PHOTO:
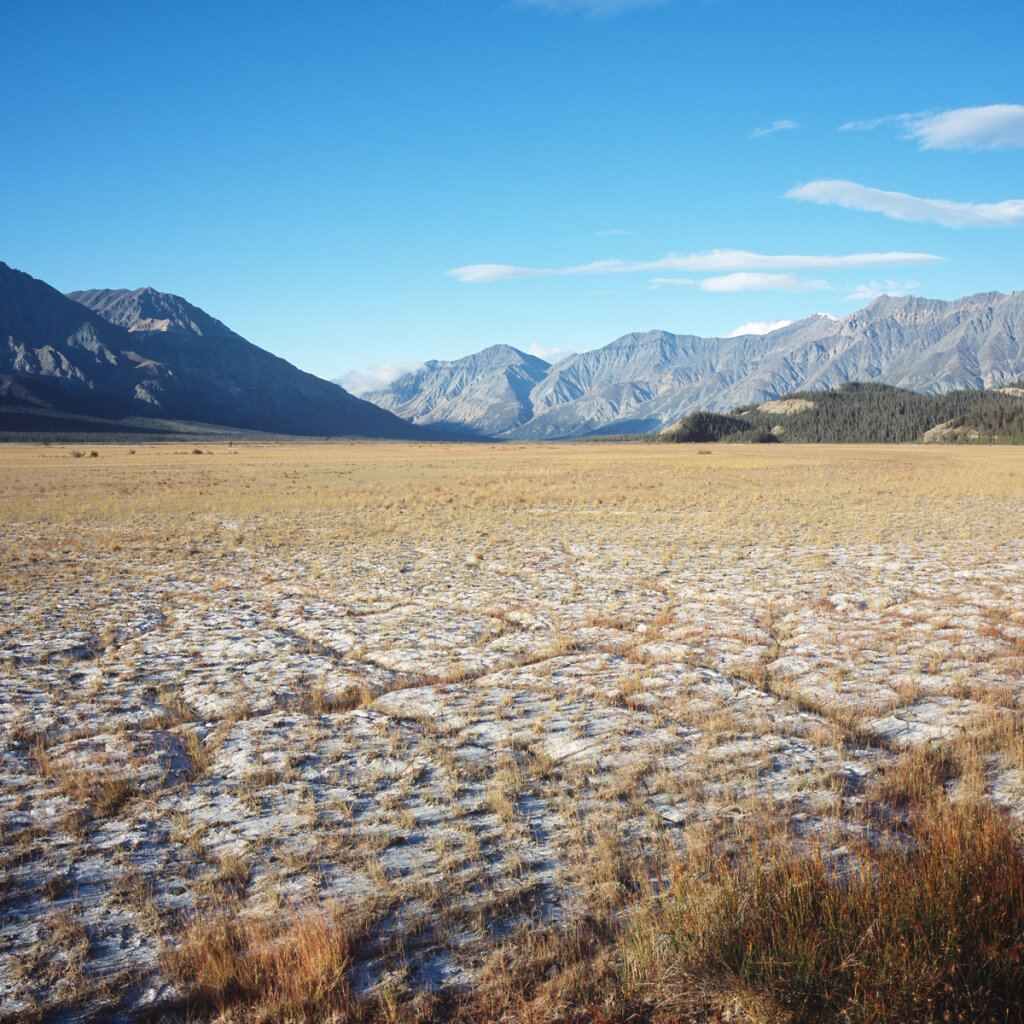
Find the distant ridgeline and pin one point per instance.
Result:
(866, 413)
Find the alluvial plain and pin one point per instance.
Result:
(453, 692)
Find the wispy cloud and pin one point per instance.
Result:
(380, 375)
(901, 206)
(550, 355)
(745, 281)
(658, 282)
(612, 232)
(757, 327)
(999, 126)
(757, 282)
(867, 292)
(592, 8)
(716, 261)
(996, 126)
(875, 122)
(784, 125)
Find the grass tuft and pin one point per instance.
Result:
(918, 777)
(196, 753)
(291, 966)
(927, 933)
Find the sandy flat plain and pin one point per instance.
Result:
(448, 686)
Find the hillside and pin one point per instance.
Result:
(857, 412)
(101, 360)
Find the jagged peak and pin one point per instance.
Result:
(493, 357)
(147, 309)
(885, 303)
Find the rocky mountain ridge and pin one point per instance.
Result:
(645, 381)
(112, 356)
(484, 394)
(149, 357)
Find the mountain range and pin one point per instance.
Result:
(644, 382)
(116, 360)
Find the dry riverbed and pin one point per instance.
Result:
(456, 688)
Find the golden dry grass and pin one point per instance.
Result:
(462, 685)
(781, 488)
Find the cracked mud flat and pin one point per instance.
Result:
(449, 686)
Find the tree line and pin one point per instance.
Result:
(865, 412)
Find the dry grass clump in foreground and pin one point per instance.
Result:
(933, 931)
(294, 967)
(291, 966)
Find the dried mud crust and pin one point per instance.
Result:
(455, 720)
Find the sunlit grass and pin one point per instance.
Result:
(723, 568)
(922, 926)
(289, 966)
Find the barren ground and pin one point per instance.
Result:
(453, 686)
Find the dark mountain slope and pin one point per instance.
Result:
(222, 375)
(144, 354)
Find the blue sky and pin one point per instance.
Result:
(368, 183)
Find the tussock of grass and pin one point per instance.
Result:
(196, 753)
(930, 932)
(233, 873)
(98, 786)
(555, 975)
(917, 777)
(111, 793)
(291, 966)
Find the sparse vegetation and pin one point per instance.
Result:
(534, 716)
(196, 753)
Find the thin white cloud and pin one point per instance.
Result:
(658, 282)
(875, 122)
(867, 292)
(757, 327)
(718, 260)
(756, 282)
(380, 375)
(785, 125)
(745, 281)
(901, 206)
(592, 8)
(613, 231)
(996, 126)
(550, 355)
